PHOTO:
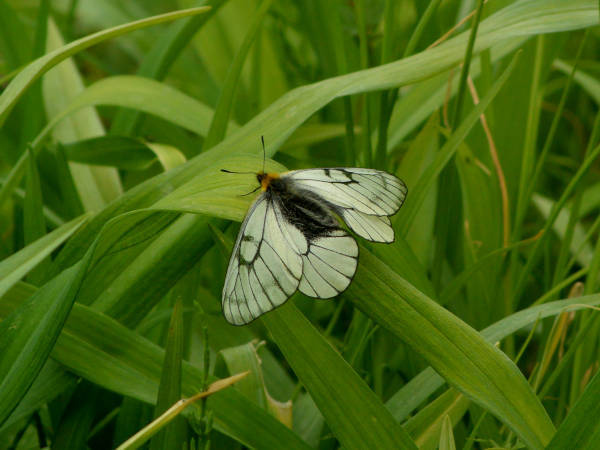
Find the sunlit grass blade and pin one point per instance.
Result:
(147, 432)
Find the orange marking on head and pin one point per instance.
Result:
(266, 180)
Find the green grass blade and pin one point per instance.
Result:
(16, 266)
(34, 223)
(279, 120)
(161, 57)
(352, 411)
(37, 68)
(577, 430)
(220, 120)
(149, 96)
(428, 381)
(28, 335)
(169, 389)
(437, 419)
(429, 177)
(98, 348)
(456, 351)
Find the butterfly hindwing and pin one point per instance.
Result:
(329, 264)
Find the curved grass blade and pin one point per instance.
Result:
(455, 350)
(428, 381)
(161, 57)
(16, 266)
(28, 335)
(37, 68)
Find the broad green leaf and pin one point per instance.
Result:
(122, 153)
(99, 349)
(120, 360)
(279, 120)
(456, 351)
(28, 335)
(428, 381)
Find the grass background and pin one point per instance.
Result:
(475, 329)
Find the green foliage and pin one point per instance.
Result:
(471, 330)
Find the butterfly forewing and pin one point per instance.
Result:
(291, 238)
(369, 191)
(260, 284)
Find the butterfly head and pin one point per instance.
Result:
(265, 179)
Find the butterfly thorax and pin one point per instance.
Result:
(265, 179)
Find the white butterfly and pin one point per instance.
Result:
(291, 237)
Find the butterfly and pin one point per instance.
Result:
(292, 239)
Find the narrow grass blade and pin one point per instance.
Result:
(161, 57)
(122, 153)
(419, 192)
(147, 432)
(447, 437)
(149, 96)
(169, 389)
(220, 120)
(581, 429)
(428, 381)
(37, 68)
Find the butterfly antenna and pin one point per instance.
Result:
(262, 139)
(242, 173)
(251, 192)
